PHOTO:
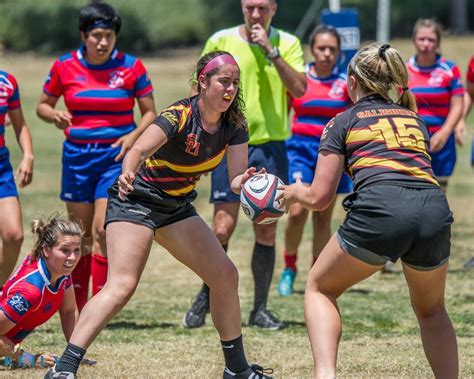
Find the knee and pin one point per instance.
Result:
(428, 312)
(322, 220)
(222, 232)
(227, 279)
(265, 234)
(13, 237)
(121, 291)
(297, 217)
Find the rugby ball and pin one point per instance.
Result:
(257, 198)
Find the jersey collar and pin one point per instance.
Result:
(333, 75)
(46, 275)
(80, 53)
(416, 67)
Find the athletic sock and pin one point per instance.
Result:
(80, 278)
(263, 262)
(234, 355)
(290, 260)
(98, 272)
(71, 358)
(205, 288)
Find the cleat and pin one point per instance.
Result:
(264, 319)
(285, 285)
(196, 315)
(469, 264)
(53, 374)
(389, 268)
(253, 372)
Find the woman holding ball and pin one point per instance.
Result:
(151, 200)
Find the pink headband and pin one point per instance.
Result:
(216, 62)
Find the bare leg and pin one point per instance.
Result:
(192, 242)
(12, 236)
(437, 333)
(98, 232)
(294, 228)
(225, 220)
(335, 272)
(322, 229)
(84, 213)
(128, 245)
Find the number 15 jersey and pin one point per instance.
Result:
(381, 142)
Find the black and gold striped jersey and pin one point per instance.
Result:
(190, 150)
(381, 142)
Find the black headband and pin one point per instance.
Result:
(382, 50)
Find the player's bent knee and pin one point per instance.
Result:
(426, 312)
(13, 237)
(222, 233)
(227, 279)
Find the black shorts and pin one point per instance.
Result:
(387, 222)
(148, 206)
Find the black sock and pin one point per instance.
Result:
(205, 288)
(71, 358)
(263, 263)
(234, 355)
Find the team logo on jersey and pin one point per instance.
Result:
(192, 145)
(116, 79)
(6, 87)
(337, 90)
(436, 78)
(172, 119)
(19, 304)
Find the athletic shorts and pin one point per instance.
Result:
(443, 161)
(148, 206)
(387, 222)
(88, 171)
(302, 159)
(7, 179)
(271, 155)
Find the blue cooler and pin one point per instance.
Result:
(347, 24)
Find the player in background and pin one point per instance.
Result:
(11, 228)
(436, 84)
(397, 210)
(272, 64)
(99, 85)
(326, 96)
(41, 286)
(152, 200)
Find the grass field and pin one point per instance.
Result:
(146, 340)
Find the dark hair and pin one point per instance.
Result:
(48, 232)
(324, 29)
(428, 23)
(235, 114)
(380, 69)
(99, 14)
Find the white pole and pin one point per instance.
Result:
(335, 6)
(383, 21)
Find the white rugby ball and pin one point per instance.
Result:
(257, 198)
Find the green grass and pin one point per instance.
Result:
(380, 333)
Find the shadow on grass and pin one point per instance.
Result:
(136, 326)
(359, 290)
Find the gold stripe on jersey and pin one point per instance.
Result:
(185, 112)
(200, 167)
(413, 171)
(364, 135)
(180, 191)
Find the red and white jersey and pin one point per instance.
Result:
(29, 299)
(433, 88)
(9, 100)
(324, 99)
(99, 97)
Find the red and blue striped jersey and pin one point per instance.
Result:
(29, 299)
(100, 98)
(470, 70)
(9, 100)
(433, 88)
(324, 99)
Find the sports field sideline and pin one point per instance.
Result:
(380, 333)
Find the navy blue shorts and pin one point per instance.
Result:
(271, 155)
(7, 179)
(88, 171)
(443, 161)
(302, 159)
(388, 222)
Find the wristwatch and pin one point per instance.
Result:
(274, 53)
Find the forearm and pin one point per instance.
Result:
(467, 105)
(235, 184)
(25, 142)
(294, 81)
(46, 112)
(133, 160)
(454, 116)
